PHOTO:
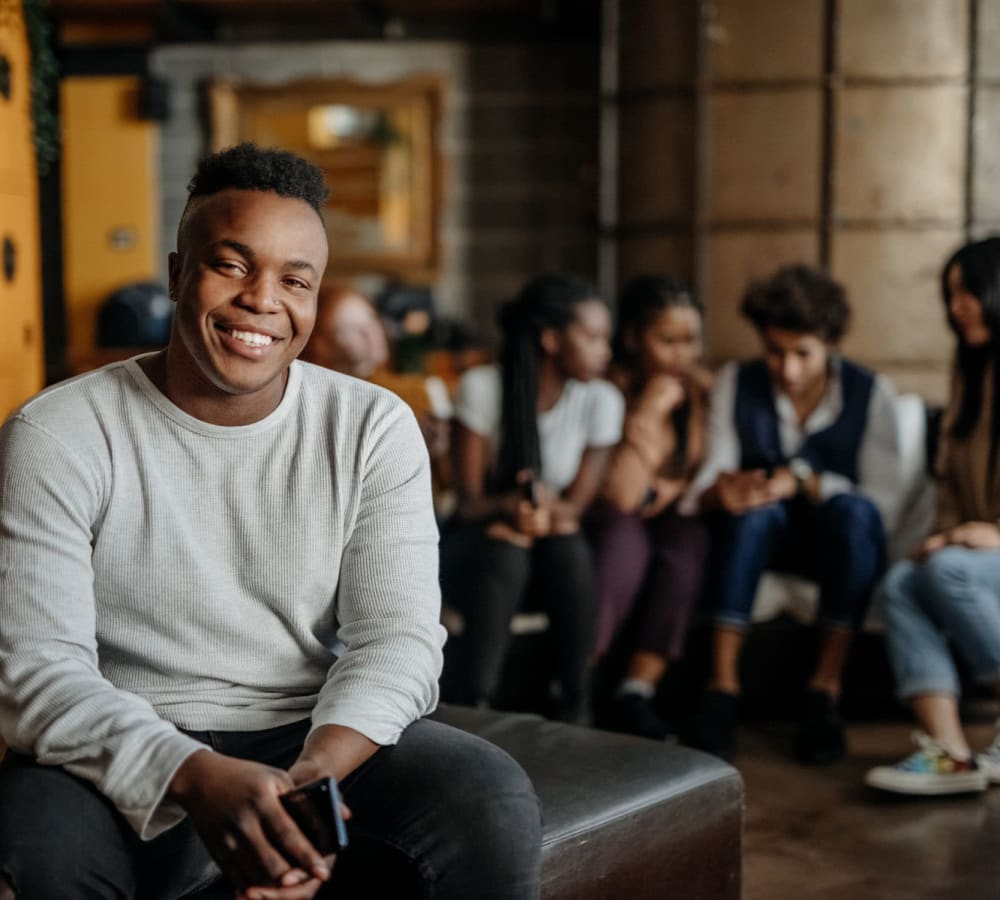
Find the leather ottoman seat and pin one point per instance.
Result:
(624, 818)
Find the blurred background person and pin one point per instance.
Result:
(350, 338)
(950, 589)
(649, 558)
(533, 437)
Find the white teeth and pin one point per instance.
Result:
(252, 338)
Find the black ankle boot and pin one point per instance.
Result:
(821, 740)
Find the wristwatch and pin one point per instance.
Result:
(802, 472)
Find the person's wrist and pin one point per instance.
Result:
(335, 751)
(806, 480)
(187, 776)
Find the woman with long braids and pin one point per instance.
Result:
(951, 586)
(532, 440)
(650, 558)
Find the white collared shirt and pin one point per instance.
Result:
(879, 465)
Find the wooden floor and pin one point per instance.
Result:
(820, 834)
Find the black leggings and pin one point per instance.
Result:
(495, 576)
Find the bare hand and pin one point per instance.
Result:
(974, 535)
(665, 492)
(782, 484)
(740, 492)
(930, 544)
(661, 395)
(235, 807)
(534, 520)
(565, 517)
(502, 531)
(296, 885)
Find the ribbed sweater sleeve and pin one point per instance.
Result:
(54, 701)
(388, 600)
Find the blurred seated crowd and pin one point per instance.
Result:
(599, 473)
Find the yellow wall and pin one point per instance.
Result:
(110, 188)
(21, 359)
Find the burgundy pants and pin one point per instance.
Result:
(651, 566)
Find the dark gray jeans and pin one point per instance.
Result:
(442, 815)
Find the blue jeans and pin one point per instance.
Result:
(839, 543)
(442, 814)
(954, 593)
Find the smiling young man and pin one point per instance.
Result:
(802, 475)
(183, 538)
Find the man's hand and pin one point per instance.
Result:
(740, 492)
(235, 807)
(974, 535)
(782, 484)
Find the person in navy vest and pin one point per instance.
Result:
(801, 476)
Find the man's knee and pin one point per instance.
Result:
(493, 813)
(852, 515)
(486, 789)
(6, 888)
(753, 526)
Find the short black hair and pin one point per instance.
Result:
(799, 298)
(249, 167)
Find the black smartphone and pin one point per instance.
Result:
(315, 807)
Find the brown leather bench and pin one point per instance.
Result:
(623, 818)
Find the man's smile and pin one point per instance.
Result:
(248, 337)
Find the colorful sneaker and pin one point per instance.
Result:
(931, 770)
(989, 761)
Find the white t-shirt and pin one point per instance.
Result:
(587, 414)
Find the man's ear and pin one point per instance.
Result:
(549, 339)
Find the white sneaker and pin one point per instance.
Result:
(989, 761)
(931, 770)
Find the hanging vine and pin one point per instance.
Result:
(44, 82)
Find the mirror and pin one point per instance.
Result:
(377, 145)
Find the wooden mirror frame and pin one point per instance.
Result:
(232, 101)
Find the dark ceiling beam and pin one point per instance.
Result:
(83, 21)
